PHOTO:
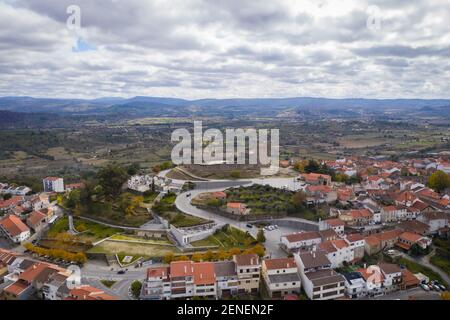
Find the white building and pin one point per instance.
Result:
(319, 281)
(12, 227)
(338, 251)
(227, 278)
(295, 241)
(53, 184)
(355, 285)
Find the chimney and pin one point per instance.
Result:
(314, 254)
(185, 269)
(365, 265)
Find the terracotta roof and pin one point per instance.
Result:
(161, 272)
(340, 243)
(327, 246)
(409, 279)
(88, 293)
(372, 241)
(361, 213)
(204, 273)
(388, 235)
(52, 178)
(14, 201)
(320, 188)
(314, 176)
(302, 236)
(17, 288)
(13, 225)
(414, 226)
(335, 222)
(372, 274)
(435, 215)
(246, 259)
(355, 237)
(282, 263)
(411, 237)
(35, 217)
(235, 205)
(36, 270)
(181, 269)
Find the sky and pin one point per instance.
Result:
(197, 49)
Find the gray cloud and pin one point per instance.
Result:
(226, 48)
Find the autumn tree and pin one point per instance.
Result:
(439, 181)
(260, 237)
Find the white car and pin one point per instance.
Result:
(424, 287)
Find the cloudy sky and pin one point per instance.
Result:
(225, 48)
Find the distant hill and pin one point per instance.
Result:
(160, 106)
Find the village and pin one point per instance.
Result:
(375, 228)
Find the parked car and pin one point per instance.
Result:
(436, 287)
(121, 272)
(430, 286)
(424, 287)
(188, 195)
(249, 226)
(443, 288)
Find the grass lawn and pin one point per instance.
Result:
(59, 226)
(232, 238)
(140, 239)
(93, 230)
(441, 258)
(108, 283)
(133, 249)
(149, 198)
(415, 268)
(122, 256)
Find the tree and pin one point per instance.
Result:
(312, 166)
(299, 199)
(133, 169)
(197, 257)
(136, 288)
(168, 257)
(260, 237)
(439, 181)
(111, 178)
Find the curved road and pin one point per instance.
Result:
(183, 203)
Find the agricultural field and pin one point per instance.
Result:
(227, 239)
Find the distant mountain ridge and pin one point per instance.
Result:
(163, 106)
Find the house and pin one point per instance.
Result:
(355, 285)
(383, 240)
(281, 277)
(316, 179)
(407, 239)
(435, 220)
(37, 220)
(237, 208)
(409, 280)
(300, 240)
(86, 292)
(392, 213)
(336, 224)
(7, 205)
(338, 252)
(220, 195)
(392, 276)
(248, 272)
(357, 217)
(414, 226)
(374, 280)
(319, 281)
(181, 279)
(227, 278)
(12, 227)
(157, 284)
(205, 280)
(56, 287)
(53, 184)
(357, 243)
(317, 194)
(74, 186)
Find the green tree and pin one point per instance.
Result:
(299, 199)
(111, 178)
(260, 237)
(235, 174)
(136, 288)
(439, 181)
(312, 166)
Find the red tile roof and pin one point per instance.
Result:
(13, 225)
(302, 236)
(281, 263)
(35, 218)
(181, 268)
(204, 273)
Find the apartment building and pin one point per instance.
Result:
(227, 278)
(248, 271)
(319, 281)
(53, 184)
(281, 277)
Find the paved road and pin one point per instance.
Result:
(426, 262)
(183, 203)
(411, 294)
